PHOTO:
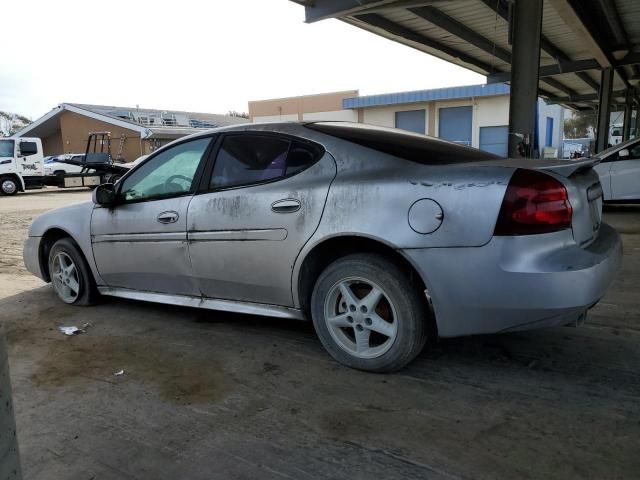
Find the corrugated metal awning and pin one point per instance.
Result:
(579, 38)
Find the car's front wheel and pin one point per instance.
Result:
(368, 314)
(8, 186)
(70, 275)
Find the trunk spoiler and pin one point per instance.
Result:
(565, 168)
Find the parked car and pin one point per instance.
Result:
(57, 166)
(380, 236)
(619, 171)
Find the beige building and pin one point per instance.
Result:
(322, 106)
(473, 115)
(134, 131)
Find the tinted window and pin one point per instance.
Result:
(6, 148)
(28, 148)
(169, 173)
(248, 158)
(410, 146)
(302, 155)
(245, 159)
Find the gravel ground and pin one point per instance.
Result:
(208, 395)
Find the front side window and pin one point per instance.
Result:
(6, 148)
(170, 173)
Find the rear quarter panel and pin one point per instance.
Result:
(373, 193)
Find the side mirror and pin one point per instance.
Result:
(105, 195)
(623, 153)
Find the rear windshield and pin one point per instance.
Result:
(410, 146)
(6, 148)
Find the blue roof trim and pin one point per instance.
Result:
(449, 93)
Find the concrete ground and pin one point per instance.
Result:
(209, 395)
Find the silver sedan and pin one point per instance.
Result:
(381, 237)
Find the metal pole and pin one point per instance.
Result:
(604, 109)
(9, 457)
(526, 26)
(626, 126)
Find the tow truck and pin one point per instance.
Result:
(22, 165)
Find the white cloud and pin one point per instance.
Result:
(210, 56)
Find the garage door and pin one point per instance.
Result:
(454, 124)
(494, 140)
(412, 120)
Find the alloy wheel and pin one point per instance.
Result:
(360, 317)
(65, 278)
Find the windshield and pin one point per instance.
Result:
(6, 148)
(619, 146)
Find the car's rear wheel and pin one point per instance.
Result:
(70, 275)
(368, 314)
(8, 186)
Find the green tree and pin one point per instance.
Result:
(580, 125)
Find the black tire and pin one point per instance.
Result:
(88, 292)
(411, 312)
(8, 186)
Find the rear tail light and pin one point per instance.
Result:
(534, 203)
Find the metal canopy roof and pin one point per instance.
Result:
(434, 94)
(579, 38)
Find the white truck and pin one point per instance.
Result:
(22, 165)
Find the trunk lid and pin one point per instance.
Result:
(564, 168)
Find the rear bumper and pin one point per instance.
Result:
(31, 256)
(517, 283)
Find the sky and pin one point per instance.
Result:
(202, 56)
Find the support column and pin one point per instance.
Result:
(9, 459)
(526, 26)
(628, 111)
(604, 109)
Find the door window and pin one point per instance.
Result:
(28, 148)
(249, 159)
(170, 173)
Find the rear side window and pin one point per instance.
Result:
(247, 159)
(409, 146)
(302, 155)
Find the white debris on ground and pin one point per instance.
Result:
(72, 330)
(117, 374)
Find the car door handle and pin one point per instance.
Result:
(168, 217)
(286, 205)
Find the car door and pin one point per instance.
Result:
(141, 243)
(264, 200)
(625, 174)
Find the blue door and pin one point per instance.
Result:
(454, 124)
(494, 140)
(412, 120)
(548, 139)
